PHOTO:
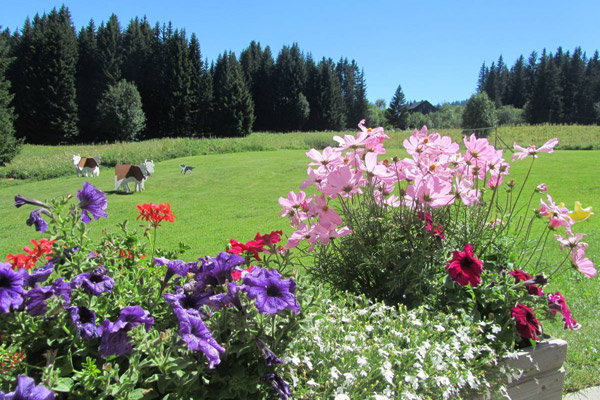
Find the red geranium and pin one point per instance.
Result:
(43, 247)
(527, 324)
(521, 275)
(270, 238)
(155, 213)
(251, 248)
(464, 268)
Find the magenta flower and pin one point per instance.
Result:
(557, 304)
(26, 390)
(464, 268)
(522, 276)
(527, 324)
(541, 188)
(92, 201)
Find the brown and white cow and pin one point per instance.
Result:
(126, 173)
(85, 165)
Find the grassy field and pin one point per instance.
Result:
(45, 162)
(235, 195)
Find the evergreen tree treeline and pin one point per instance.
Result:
(562, 87)
(58, 77)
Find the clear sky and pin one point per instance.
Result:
(434, 49)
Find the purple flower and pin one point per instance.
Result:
(188, 300)
(174, 267)
(197, 336)
(114, 335)
(95, 283)
(36, 297)
(85, 322)
(231, 298)
(217, 271)
(281, 387)
(93, 201)
(272, 293)
(26, 390)
(36, 300)
(21, 201)
(36, 219)
(11, 291)
(269, 356)
(38, 275)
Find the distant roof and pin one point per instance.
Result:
(419, 104)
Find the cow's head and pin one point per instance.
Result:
(147, 167)
(76, 159)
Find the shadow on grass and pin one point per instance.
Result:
(119, 193)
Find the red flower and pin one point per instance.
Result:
(527, 324)
(252, 248)
(521, 275)
(27, 261)
(557, 304)
(237, 274)
(464, 268)
(430, 226)
(155, 213)
(270, 238)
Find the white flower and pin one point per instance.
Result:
(341, 396)
(312, 383)
(349, 378)
(362, 361)
(380, 397)
(335, 373)
(369, 328)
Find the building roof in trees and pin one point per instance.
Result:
(423, 107)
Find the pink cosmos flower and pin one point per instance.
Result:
(558, 214)
(495, 181)
(343, 181)
(479, 149)
(319, 208)
(294, 207)
(330, 157)
(372, 167)
(430, 191)
(351, 141)
(522, 152)
(304, 232)
(557, 304)
(464, 268)
(315, 177)
(327, 232)
(541, 188)
(571, 242)
(581, 262)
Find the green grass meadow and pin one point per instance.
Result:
(234, 195)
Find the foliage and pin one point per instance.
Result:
(9, 145)
(397, 112)
(362, 349)
(435, 229)
(120, 113)
(509, 115)
(155, 322)
(479, 112)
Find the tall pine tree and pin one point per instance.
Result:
(201, 89)
(9, 145)
(89, 80)
(397, 112)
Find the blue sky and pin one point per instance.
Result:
(434, 49)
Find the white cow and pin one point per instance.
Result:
(86, 165)
(126, 173)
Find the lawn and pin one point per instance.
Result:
(235, 195)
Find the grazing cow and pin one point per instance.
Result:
(85, 165)
(125, 173)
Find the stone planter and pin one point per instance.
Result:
(543, 374)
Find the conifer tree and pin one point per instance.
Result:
(233, 106)
(545, 104)
(517, 84)
(328, 109)
(360, 108)
(89, 80)
(290, 82)
(482, 80)
(9, 145)
(110, 51)
(201, 89)
(45, 95)
(397, 112)
(573, 84)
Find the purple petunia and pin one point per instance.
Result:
(35, 299)
(281, 387)
(217, 271)
(197, 336)
(38, 275)
(85, 322)
(92, 201)
(26, 390)
(114, 334)
(36, 219)
(272, 294)
(231, 298)
(11, 290)
(188, 300)
(96, 282)
(270, 357)
(174, 267)
(21, 201)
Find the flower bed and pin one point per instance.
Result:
(422, 274)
